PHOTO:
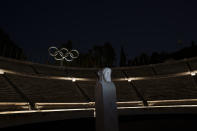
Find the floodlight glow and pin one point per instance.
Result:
(193, 73)
(73, 80)
(1, 72)
(129, 80)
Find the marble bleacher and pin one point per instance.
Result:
(88, 87)
(21, 92)
(41, 90)
(48, 70)
(125, 92)
(15, 65)
(171, 68)
(47, 90)
(141, 71)
(193, 63)
(117, 73)
(7, 93)
(9, 99)
(167, 88)
(82, 72)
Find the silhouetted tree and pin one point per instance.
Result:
(193, 43)
(8, 48)
(98, 56)
(67, 45)
(155, 58)
(186, 52)
(123, 59)
(97, 53)
(144, 59)
(109, 55)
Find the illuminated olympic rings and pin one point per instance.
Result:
(63, 54)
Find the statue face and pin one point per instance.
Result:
(107, 74)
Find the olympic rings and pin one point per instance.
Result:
(63, 54)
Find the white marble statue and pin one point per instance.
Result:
(105, 100)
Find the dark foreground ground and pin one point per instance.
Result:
(126, 123)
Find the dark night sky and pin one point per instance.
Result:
(146, 25)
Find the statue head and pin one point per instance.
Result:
(105, 75)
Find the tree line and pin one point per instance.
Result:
(99, 55)
(8, 48)
(156, 57)
(104, 55)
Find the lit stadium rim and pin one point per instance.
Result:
(63, 54)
